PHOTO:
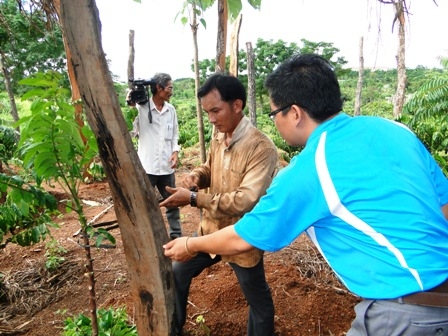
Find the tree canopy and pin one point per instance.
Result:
(29, 41)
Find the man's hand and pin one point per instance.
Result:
(179, 197)
(190, 182)
(177, 249)
(174, 159)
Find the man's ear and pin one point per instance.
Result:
(238, 105)
(297, 113)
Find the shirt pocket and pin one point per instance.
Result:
(236, 177)
(169, 131)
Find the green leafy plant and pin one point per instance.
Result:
(426, 113)
(26, 214)
(200, 322)
(8, 144)
(52, 146)
(96, 171)
(54, 255)
(111, 322)
(429, 100)
(51, 142)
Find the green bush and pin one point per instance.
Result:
(26, 212)
(54, 254)
(111, 322)
(8, 143)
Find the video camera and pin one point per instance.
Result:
(139, 92)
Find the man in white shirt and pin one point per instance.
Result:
(157, 130)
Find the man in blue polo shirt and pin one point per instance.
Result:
(367, 193)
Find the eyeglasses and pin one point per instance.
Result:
(281, 109)
(168, 88)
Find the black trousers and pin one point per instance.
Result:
(172, 214)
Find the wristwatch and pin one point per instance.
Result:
(193, 196)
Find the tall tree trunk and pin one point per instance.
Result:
(358, 99)
(401, 64)
(131, 58)
(233, 69)
(7, 77)
(251, 97)
(221, 40)
(199, 114)
(141, 224)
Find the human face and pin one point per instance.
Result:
(225, 116)
(288, 124)
(166, 92)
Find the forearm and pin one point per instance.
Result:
(223, 242)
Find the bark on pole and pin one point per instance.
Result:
(401, 59)
(234, 45)
(131, 57)
(358, 98)
(221, 40)
(194, 31)
(251, 99)
(142, 227)
(7, 77)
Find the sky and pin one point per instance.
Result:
(163, 44)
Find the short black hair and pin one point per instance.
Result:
(309, 81)
(229, 87)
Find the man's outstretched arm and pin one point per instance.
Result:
(223, 242)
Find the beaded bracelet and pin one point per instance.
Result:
(186, 248)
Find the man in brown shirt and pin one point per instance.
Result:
(240, 166)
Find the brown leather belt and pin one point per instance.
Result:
(435, 297)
